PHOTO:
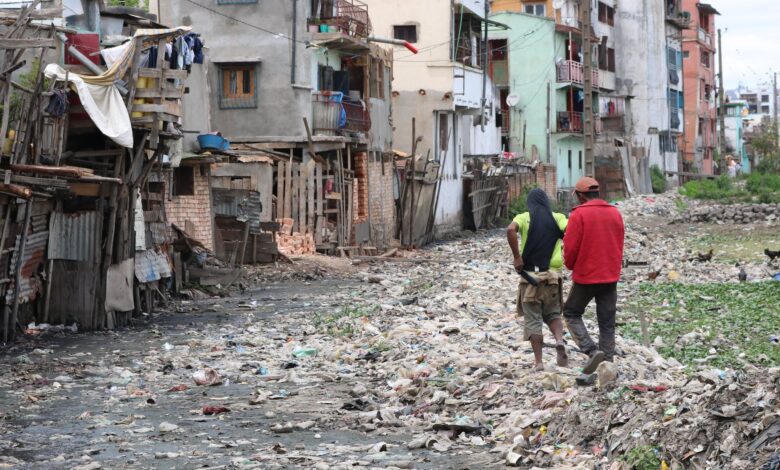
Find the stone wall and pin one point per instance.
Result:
(192, 213)
(733, 214)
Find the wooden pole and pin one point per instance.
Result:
(18, 267)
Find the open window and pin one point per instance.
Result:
(467, 40)
(606, 14)
(183, 181)
(405, 32)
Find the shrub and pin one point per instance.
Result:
(657, 180)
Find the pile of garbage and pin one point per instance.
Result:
(737, 213)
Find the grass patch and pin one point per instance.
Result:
(741, 247)
(520, 204)
(760, 188)
(731, 318)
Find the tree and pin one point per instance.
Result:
(764, 144)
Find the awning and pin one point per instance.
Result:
(707, 8)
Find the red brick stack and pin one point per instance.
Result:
(294, 243)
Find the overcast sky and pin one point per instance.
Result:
(751, 35)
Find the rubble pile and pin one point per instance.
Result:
(737, 214)
(422, 355)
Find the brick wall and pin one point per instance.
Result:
(194, 209)
(546, 179)
(381, 200)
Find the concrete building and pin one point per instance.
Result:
(734, 121)
(270, 65)
(699, 46)
(758, 101)
(543, 74)
(649, 68)
(445, 88)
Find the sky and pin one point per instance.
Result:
(751, 33)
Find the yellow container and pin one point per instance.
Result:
(8, 143)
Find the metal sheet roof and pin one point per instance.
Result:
(74, 236)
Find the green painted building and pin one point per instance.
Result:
(536, 65)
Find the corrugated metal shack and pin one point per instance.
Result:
(93, 109)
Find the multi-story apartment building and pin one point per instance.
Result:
(649, 65)
(445, 88)
(759, 101)
(699, 60)
(542, 73)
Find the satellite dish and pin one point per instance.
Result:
(512, 100)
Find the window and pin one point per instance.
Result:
(705, 58)
(498, 49)
(444, 134)
(234, 2)
(606, 14)
(237, 87)
(378, 82)
(707, 92)
(701, 127)
(538, 9)
(765, 109)
(606, 58)
(765, 98)
(671, 56)
(686, 54)
(183, 181)
(580, 155)
(667, 142)
(406, 32)
(610, 59)
(570, 159)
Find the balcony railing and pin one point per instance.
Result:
(705, 37)
(332, 115)
(349, 16)
(571, 71)
(571, 122)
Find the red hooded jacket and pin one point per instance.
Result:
(593, 243)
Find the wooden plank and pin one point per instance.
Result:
(169, 107)
(167, 73)
(280, 172)
(170, 93)
(288, 187)
(311, 213)
(318, 225)
(85, 189)
(294, 197)
(27, 43)
(302, 199)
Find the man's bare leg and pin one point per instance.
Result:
(556, 326)
(536, 344)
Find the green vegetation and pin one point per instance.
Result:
(342, 322)
(680, 204)
(740, 247)
(732, 319)
(764, 144)
(657, 180)
(129, 3)
(519, 205)
(757, 187)
(643, 458)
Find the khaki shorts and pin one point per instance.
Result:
(539, 305)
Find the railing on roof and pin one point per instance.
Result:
(351, 17)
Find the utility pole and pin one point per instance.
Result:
(587, 70)
(721, 109)
(774, 106)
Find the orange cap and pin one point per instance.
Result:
(586, 184)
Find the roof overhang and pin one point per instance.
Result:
(707, 8)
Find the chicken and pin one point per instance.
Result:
(773, 255)
(651, 276)
(742, 274)
(703, 257)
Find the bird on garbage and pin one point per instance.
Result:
(651, 276)
(742, 274)
(703, 257)
(773, 255)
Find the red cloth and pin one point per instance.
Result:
(593, 243)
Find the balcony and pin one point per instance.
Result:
(677, 17)
(571, 122)
(570, 71)
(332, 116)
(348, 17)
(705, 38)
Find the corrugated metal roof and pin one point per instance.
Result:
(39, 223)
(242, 204)
(151, 266)
(34, 258)
(74, 236)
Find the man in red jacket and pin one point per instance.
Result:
(593, 250)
